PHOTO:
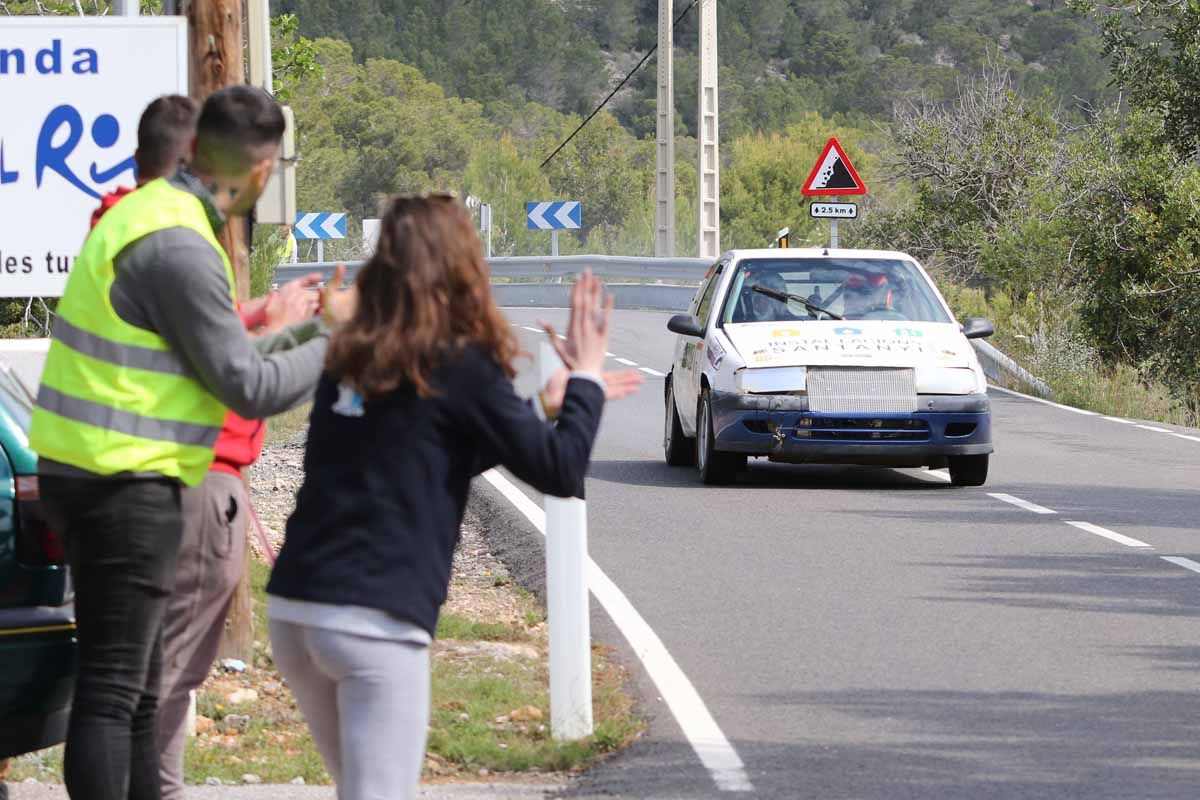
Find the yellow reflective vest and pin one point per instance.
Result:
(115, 398)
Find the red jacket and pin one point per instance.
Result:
(108, 201)
(241, 440)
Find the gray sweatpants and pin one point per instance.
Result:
(212, 558)
(366, 702)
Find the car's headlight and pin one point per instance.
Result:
(771, 380)
(946, 380)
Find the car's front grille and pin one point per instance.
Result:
(861, 390)
(861, 429)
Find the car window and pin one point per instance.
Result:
(706, 298)
(856, 289)
(15, 399)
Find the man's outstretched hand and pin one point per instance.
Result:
(618, 384)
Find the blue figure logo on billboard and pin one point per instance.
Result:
(65, 124)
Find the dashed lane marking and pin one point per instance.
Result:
(626, 362)
(1019, 503)
(1179, 561)
(1119, 538)
(653, 372)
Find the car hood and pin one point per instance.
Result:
(863, 343)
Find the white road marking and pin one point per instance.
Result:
(1094, 414)
(710, 744)
(1082, 411)
(532, 330)
(653, 372)
(1186, 563)
(940, 474)
(1119, 538)
(627, 362)
(1019, 503)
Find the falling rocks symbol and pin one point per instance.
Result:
(836, 176)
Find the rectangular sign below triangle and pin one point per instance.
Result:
(833, 173)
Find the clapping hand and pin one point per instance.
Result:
(295, 302)
(339, 304)
(585, 347)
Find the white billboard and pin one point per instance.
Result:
(71, 93)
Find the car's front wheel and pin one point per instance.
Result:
(968, 470)
(679, 450)
(715, 468)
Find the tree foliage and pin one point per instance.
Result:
(1154, 49)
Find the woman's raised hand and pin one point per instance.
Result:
(587, 331)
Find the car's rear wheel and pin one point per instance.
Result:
(715, 468)
(679, 450)
(968, 470)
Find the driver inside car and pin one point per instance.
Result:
(762, 308)
(864, 293)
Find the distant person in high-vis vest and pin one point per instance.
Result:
(148, 356)
(287, 244)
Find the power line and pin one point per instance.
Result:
(613, 93)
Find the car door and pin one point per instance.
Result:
(690, 352)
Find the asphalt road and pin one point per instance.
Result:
(876, 633)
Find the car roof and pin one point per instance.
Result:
(817, 252)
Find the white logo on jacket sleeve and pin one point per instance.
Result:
(349, 402)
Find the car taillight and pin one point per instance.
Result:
(38, 544)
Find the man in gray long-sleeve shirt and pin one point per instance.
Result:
(148, 355)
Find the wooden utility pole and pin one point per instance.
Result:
(215, 44)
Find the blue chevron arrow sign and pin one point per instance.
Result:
(325, 225)
(565, 215)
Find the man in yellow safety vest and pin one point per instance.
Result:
(148, 356)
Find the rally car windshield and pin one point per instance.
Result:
(851, 288)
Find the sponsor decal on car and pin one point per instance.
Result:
(849, 347)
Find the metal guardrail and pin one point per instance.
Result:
(1002, 370)
(546, 267)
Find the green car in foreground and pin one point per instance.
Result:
(37, 620)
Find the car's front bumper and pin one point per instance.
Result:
(782, 428)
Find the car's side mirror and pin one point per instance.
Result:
(977, 328)
(686, 325)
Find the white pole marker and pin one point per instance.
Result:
(567, 603)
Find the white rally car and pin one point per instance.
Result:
(825, 356)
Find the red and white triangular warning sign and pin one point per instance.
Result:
(834, 174)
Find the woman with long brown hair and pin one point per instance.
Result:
(416, 400)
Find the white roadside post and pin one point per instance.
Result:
(485, 212)
(567, 603)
